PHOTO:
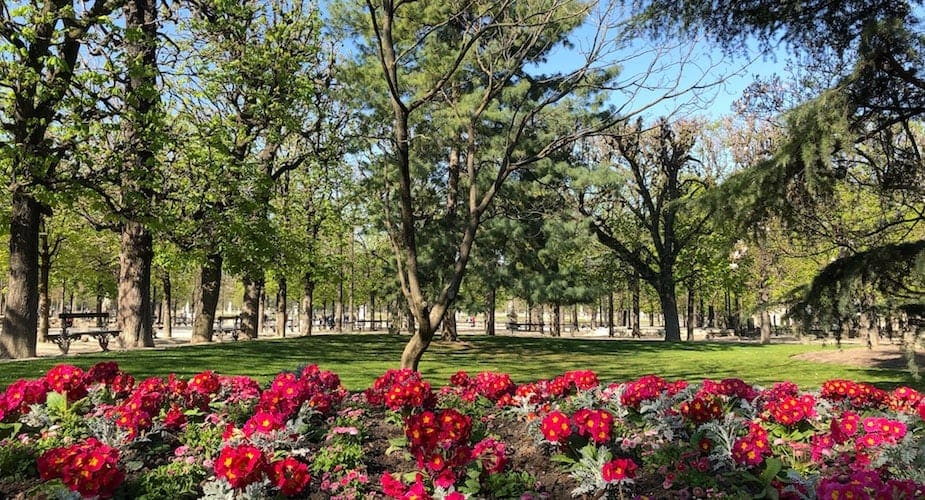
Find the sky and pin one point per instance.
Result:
(698, 78)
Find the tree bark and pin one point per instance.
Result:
(44, 299)
(490, 313)
(556, 320)
(669, 302)
(134, 312)
(250, 307)
(308, 292)
(610, 322)
(282, 315)
(450, 332)
(20, 320)
(167, 306)
(764, 300)
(690, 311)
(635, 316)
(205, 299)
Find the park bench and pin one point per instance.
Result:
(230, 324)
(371, 324)
(513, 326)
(101, 331)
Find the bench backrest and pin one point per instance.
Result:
(83, 315)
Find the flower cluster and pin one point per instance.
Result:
(702, 408)
(67, 379)
(401, 390)
(867, 484)
(593, 424)
(496, 387)
(241, 465)
(859, 395)
(647, 388)
(89, 468)
(791, 410)
(730, 387)
(20, 395)
(751, 449)
(619, 470)
(556, 427)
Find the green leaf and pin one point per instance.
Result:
(56, 403)
(773, 467)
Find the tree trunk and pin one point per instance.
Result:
(339, 308)
(205, 299)
(636, 330)
(44, 299)
(764, 302)
(690, 310)
(669, 302)
(490, 313)
(167, 306)
(416, 346)
(308, 292)
(250, 307)
(134, 312)
(574, 319)
(282, 315)
(610, 325)
(20, 320)
(450, 332)
(556, 320)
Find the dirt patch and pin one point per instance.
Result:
(889, 357)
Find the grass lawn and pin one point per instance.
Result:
(359, 359)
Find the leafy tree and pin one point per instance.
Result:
(858, 129)
(42, 42)
(472, 61)
(634, 197)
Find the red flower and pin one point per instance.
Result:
(263, 422)
(620, 469)
(392, 487)
(89, 468)
(593, 424)
(290, 476)
(556, 427)
(240, 465)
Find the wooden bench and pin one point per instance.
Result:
(377, 324)
(101, 332)
(228, 324)
(514, 326)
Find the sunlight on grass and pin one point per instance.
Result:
(359, 359)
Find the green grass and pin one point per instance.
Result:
(359, 359)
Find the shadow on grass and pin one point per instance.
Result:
(359, 359)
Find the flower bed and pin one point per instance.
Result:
(100, 433)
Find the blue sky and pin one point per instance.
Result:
(671, 68)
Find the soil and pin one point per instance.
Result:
(887, 356)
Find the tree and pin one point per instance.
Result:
(42, 44)
(858, 129)
(261, 106)
(471, 61)
(633, 200)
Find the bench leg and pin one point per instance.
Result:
(64, 343)
(103, 341)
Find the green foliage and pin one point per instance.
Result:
(203, 439)
(17, 460)
(178, 480)
(501, 485)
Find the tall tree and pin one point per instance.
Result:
(473, 61)
(634, 204)
(42, 44)
(874, 93)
